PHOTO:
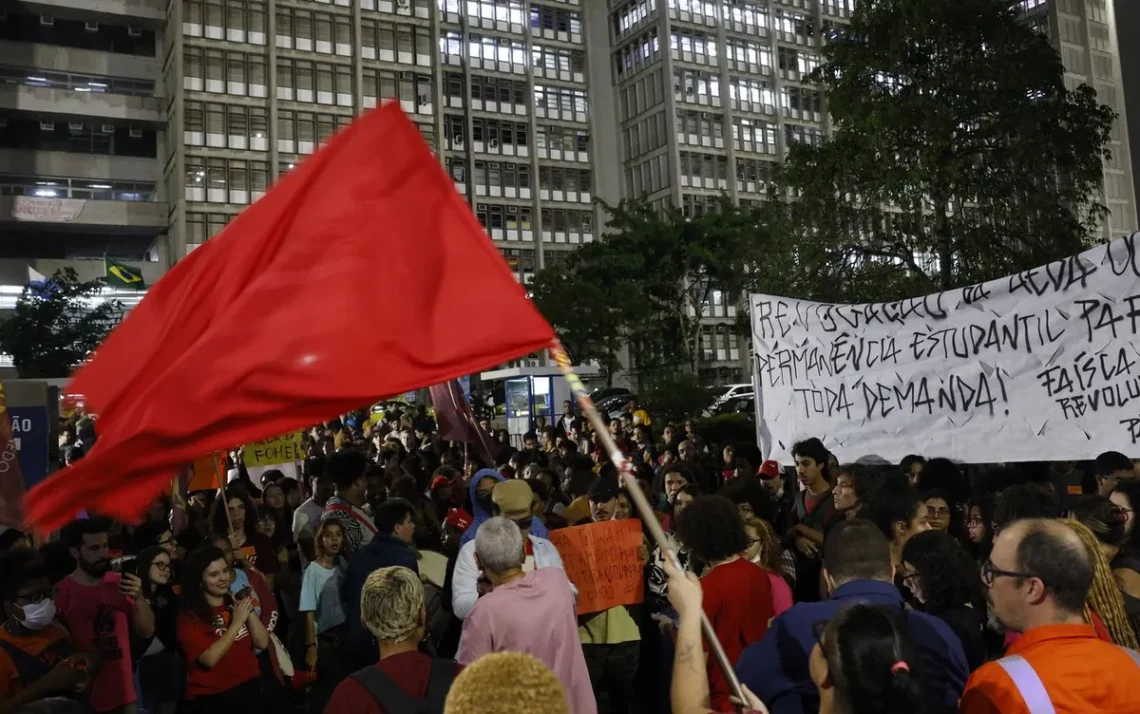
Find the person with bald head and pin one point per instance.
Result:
(1037, 578)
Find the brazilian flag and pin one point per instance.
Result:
(122, 275)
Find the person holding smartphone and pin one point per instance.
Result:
(220, 635)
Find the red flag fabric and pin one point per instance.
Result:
(361, 273)
(455, 421)
(11, 475)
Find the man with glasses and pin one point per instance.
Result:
(512, 499)
(1038, 577)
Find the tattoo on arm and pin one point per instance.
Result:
(687, 657)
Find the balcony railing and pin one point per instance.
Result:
(31, 77)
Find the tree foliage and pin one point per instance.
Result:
(650, 279)
(958, 155)
(55, 327)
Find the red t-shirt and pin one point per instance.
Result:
(738, 603)
(238, 666)
(98, 618)
(410, 670)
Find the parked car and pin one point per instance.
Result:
(606, 392)
(739, 404)
(613, 407)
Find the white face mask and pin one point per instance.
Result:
(38, 615)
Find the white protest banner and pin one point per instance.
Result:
(1041, 365)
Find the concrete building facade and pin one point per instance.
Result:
(137, 129)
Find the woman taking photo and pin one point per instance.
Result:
(160, 676)
(220, 635)
(324, 617)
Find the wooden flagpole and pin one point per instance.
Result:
(625, 468)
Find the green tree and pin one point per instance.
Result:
(54, 327)
(959, 155)
(728, 250)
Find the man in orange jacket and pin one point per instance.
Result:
(1038, 577)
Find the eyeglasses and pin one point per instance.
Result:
(990, 573)
(523, 523)
(161, 566)
(37, 596)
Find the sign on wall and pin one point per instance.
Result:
(30, 434)
(1040, 365)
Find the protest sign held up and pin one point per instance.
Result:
(1040, 365)
(601, 560)
(284, 449)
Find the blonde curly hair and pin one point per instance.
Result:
(391, 602)
(506, 683)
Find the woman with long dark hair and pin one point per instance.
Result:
(220, 636)
(862, 664)
(161, 676)
(944, 579)
(234, 517)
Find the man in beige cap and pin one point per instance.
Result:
(514, 501)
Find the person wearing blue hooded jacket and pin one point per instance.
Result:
(482, 506)
(510, 498)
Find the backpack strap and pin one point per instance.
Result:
(386, 692)
(29, 668)
(1028, 684)
(439, 684)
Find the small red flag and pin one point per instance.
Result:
(11, 475)
(456, 422)
(361, 273)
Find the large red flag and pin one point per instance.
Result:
(362, 273)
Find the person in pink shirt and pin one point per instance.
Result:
(526, 612)
(100, 608)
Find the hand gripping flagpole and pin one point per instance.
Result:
(625, 468)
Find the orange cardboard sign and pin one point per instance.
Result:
(601, 560)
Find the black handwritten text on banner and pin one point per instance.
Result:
(1040, 365)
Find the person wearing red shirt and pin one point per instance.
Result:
(392, 608)
(220, 635)
(737, 592)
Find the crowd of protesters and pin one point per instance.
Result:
(401, 573)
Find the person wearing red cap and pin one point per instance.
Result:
(784, 499)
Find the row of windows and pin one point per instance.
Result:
(508, 11)
(486, 89)
(391, 42)
(753, 175)
(413, 90)
(796, 61)
(560, 138)
(802, 135)
(557, 59)
(236, 73)
(309, 82)
(641, 52)
(99, 136)
(557, 178)
(229, 126)
(302, 132)
(216, 180)
(478, 48)
(81, 34)
(645, 135)
(630, 15)
(308, 31)
(76, 187)
(231, 20)
(560, 98)
(754, 135)
(648, 176)
(641, 95)
(76, 82)
(703, 166)
(559, 220)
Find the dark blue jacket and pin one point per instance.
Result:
(776, 667)
(383, 551)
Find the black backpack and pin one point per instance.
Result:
(393, 699)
